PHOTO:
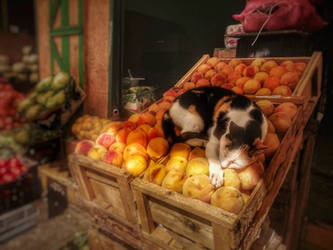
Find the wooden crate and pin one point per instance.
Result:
(198, 225)
(105, 188)
(307, 89)
(56, 172)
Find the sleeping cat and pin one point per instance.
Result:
(231, 126)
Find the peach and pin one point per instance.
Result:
(241, 81)
(197, 166)
(290, 79)
(261, 77)
(170, 92)
(258, 62)
(137, 136)
(231, 178)
(218, 79)
(227, 85)
(272, 143)
(122, 134)
(180, 149)
(113, 127)
(147, 118)
(300, 66)
(202, 83)
(234, 62)
(203, 68)
(174, 180)
(270, 127)
(134, 149)
(228, 198)
(129, 125)
(176, 163)
(97, 152)
(226, 70)
(134, 118)
(251, 86)
(198, 187)
(268, 65)
(277, 71)
(240, 68)
(145, 128)
(271, 83)
(263, 92)
(155, 173)
(196, 153)
(233, 77)
(238, 90)
(168, 98)
(118, 146)
(113, 157)
(287, 107)
(219, 67)
(281, 121)
(135, 164)
(155, 132)
(249, 177)
(153, 108)
(159, 114)
(189, 85)
(213, 61)
(106, 139)
(83, 147)
(282, 90)
(250, 71)
(157, 147)
(288, 65)
(266, 107)
(164, 105)
(245, 197)
(209, 74)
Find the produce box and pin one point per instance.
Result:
(104, 187)
(303, 80)
(19, 183)
(199, 225)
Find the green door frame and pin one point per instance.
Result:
(65, 31)
(115, 57)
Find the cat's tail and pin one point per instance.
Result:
(168, 128)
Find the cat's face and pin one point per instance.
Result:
(240, 146)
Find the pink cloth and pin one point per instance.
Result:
(280, 15)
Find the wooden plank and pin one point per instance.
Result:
(127, 200)
(182, 224)
(180, 201)
(146, 219)
(270, 197)
(100, 166)
(223, 238)
(320, 236)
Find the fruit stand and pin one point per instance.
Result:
(127, 172)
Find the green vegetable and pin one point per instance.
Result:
(44, 84)
(26, 103)
(56, 100)
(33, 111)
(22, 136)
(43, 97)
(60, 81)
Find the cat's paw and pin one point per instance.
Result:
(216, 174)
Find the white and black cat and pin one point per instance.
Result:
(233, 125)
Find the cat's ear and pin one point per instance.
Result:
(259, 146)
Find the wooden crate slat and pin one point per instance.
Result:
(180, 201)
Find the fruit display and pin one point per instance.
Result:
(260, 77)
(9, 101)
(11, 169)
(50, 93)
(130, 144)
